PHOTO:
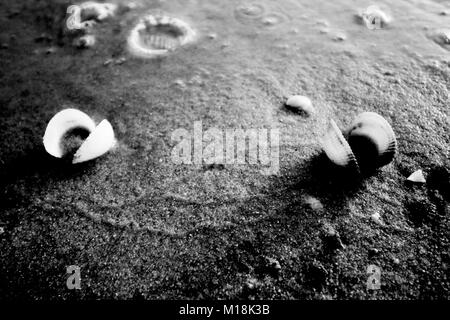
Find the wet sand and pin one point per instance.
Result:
(140, 226)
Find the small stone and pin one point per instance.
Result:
(269, 21)
(212, 36)
(300, 104)
(50, 50)
(323, 23)
(417, 177)
(4, 45)
(251, 284)
(2, 230)
(108, 62)
(376, 217)
(340, 37)
(85, 41)
(121, 60)
(273, 264)
(313, 203)
(180, 83)
(444, 13)
(44, 37)
(373, 251)
(396, 260)
(131, 5)
(332, 238)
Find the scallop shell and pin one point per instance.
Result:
(147, 40)
(337, 148)
(372, 140)
(100, 140)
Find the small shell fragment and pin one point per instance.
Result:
(375, 18)
(300, 104)
(417, 176)
(100, 140)
(337, 148)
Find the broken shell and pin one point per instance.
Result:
(375, 18)
(417, 176)
(372, 140)
(300, 104)
(100, 140)
(370, 143)
(61, 123)
(337, 148)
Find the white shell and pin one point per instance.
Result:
(60, 124)
(162, 43)
(417, 176)
(301, 103)
(337, 148)
(100, 141)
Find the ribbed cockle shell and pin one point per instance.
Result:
(369, 143)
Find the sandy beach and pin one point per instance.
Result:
(140, 226)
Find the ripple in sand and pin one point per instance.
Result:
(249, 11)
(258, 15)
(273, 19)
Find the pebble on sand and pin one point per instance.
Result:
(340, 37)
(417, 177)
(313, 203)
(376, 217)
(332, 237)
(300, 104)
(85, 41)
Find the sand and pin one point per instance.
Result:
(141, 227)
